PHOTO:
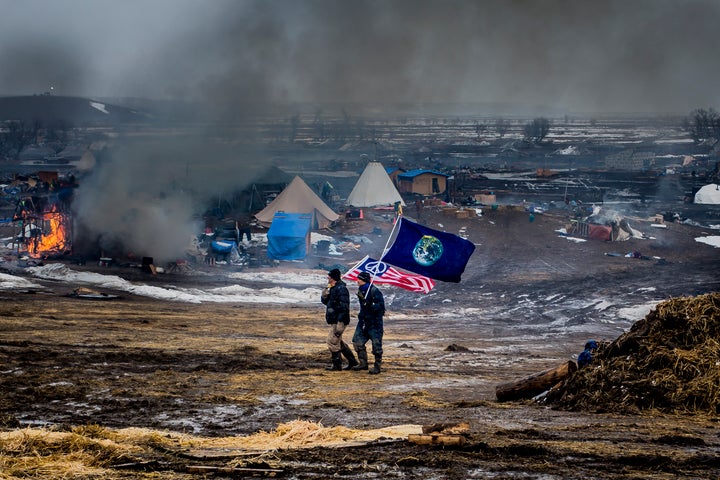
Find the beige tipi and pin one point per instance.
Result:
(297, 197)
(374, 188)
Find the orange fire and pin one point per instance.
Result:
(44, 228)
(54, 234)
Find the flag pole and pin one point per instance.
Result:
(395, 225)
(382, 254)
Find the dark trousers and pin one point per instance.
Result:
(374, 335)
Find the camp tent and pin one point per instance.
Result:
(270, 181)
(299, 198)
(289, 236)
(708, 195)
(374, 188)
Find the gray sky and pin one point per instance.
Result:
(574, 55)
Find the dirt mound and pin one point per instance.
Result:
(668, 361)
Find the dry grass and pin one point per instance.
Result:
(42, 453)
(91, 451)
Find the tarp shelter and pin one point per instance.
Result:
(299, 198)
(599, 232)
(289, 236)
(374, 188)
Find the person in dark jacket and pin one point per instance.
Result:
(370, 323)
(586, 357)
(337, 314)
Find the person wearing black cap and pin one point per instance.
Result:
(370, 323)
(337, 314)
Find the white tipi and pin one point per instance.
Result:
(374, 188)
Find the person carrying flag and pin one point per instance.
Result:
(370, 323)
(337, 314)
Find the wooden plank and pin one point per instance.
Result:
(266, 472)
(448, 440)
(457, 428)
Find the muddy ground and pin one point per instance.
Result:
(234, 369)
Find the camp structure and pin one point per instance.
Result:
(298, 198)
(289, 236)
(708, 195)
(265, 185)
(606, 225)
(44, 226)
(423, 182)
(618, 231)
(374, 188)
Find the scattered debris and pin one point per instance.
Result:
(447, 434)
(456, 348)
(90, 294)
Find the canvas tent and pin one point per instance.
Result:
(289, 236)
(299, 198)
(271, 181)
(374, 188)
(708, 195)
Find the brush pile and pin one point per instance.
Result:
(668, 362)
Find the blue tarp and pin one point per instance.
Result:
(289, 236)
(223, 246)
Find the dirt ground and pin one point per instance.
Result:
(235, 369)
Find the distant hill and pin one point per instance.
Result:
(75, 111)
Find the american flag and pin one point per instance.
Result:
(385, 274)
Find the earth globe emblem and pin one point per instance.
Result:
(427, 251)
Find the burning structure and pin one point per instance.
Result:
(44, 224)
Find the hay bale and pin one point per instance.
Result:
(669, 361)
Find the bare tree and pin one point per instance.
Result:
(319, 125)
(294, 125)
(537, 130)
(703, 124)
(501, 126)
(480, 129)
(18, 135)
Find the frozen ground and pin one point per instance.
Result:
(216, 351)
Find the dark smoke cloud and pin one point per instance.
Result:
(231, 58)
(571, 55)
(148, 196)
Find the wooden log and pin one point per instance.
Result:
(448, 440)
(211, 469)
(447, 428)
(144, 466)
(535, 384)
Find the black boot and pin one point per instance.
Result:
(336, 362)
(376, 368)
(362, 358)
(348, 354)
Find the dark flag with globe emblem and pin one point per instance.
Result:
(432, 253)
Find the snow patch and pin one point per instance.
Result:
(99, 106)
